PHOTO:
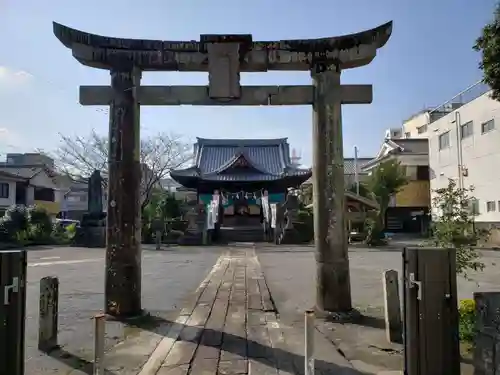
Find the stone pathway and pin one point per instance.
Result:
(231, 327)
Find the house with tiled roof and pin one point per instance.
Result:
(350, 166)
(409, 208)
(37, 182)
(29, 185)
(8, 188)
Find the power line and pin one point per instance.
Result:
(64, 91)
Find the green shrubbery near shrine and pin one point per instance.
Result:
(305, 225)
(22, 226)
(467, 320)
(165, 207)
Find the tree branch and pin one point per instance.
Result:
(80, 156)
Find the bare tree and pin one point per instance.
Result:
(80, 156)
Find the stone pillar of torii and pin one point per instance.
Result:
(224, 57)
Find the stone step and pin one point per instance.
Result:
(243, 234)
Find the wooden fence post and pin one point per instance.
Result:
(12, 311)
(309, 329)
(430, 312)
(99, 337)
(393, 323)
(49, 311)
(487, 340)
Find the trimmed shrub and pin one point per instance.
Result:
(40, 224)
(13, 222)
(467, 319)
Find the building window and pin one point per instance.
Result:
(4, 190)
(466, 130)
(423, 173)
(77, 198)
(44, 194)
(422, 129)
(444, 140)
(474, 206)
(491, 206)
(407, 135)
(487, 126)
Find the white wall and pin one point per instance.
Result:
(59, 195)
(76, 201)
(412, 125)
(43, 180)
(6, 202)
(480, 153)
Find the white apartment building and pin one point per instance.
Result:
(417, 125)
(464, 144)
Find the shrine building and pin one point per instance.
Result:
(241, 169)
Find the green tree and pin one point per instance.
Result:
(162, 204)
(488, 44)
(385, 181)
(453, 225)
(79, 156)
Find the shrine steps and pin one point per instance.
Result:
(241, 234)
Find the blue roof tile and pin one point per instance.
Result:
(269, 159)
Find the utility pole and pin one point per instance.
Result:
(356, 175)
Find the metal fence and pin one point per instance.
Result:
(464, 97)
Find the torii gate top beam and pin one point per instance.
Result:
(347, 51)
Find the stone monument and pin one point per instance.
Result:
(290, 208)
(92, 231)
(195, 216)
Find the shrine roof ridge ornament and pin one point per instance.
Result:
(347, 51)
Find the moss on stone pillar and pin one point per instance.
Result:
(123, 245)
(333, 290)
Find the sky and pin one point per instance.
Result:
(428, 59)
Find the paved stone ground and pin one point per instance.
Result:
(229, 325)
(290, 274)
(168, 276)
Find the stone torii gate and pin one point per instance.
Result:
(224, 57)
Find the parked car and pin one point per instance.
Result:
(67, 222)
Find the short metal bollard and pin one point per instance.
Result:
(49, 311)
(99, 332)
(309, 342)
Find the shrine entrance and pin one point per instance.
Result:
(223, 57)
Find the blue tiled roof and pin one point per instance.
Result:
(269, 160)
